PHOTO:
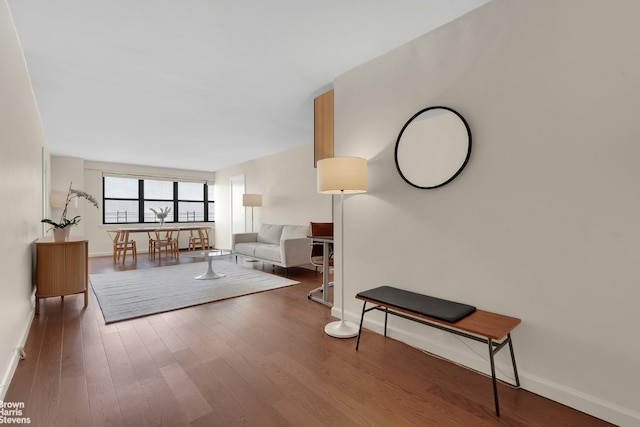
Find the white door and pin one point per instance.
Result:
(237, 210)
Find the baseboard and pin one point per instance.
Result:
(17, 355)
(110, 253)
(469, 355)
(97, 254)
(583, 402)
(144, 251)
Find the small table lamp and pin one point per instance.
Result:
(342, 175)
(59, 200)
(252, 200)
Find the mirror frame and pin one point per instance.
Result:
(457, 172)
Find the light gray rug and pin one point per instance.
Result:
(135, 293)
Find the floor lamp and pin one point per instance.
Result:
(252, 201)
(342, 175)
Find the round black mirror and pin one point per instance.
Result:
(433, 147)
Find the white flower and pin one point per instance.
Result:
(71, 194)
(164, 212)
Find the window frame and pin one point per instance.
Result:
(173, 203)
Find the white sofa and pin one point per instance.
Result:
(282, 245)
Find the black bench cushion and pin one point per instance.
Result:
(437, 308)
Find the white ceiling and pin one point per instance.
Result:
(201, 84)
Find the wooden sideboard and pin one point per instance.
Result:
(62, 268)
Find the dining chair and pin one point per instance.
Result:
(318, 256)
(152, 245)
(164, 239)
(121, 245)
(320, 229)
(201, 240)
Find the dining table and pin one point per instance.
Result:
(153, 229)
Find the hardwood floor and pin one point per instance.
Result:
(258, 360)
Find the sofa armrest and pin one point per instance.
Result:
(243, 238)
(295, 252)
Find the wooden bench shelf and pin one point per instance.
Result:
(481, 326)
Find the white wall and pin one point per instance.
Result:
(543, 222)
(287, 182)
(22, 142)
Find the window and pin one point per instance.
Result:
(211, 211)
(157, 195)
(120, 200)
(130, 200)
(191, 201)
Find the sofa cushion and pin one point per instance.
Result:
(245, 248)
(294, 232)
(268, 252)
(270, 233)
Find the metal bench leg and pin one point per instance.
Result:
(386, 316)
(361, 320)
(513, 360)
(493, 376)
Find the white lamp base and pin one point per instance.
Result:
(341, 329)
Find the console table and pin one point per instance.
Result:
(61, 268)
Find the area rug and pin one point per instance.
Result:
(129, 294)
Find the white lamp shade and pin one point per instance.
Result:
(342, 174)
(252, 200)
(57, 200)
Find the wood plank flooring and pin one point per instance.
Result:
(257, 360)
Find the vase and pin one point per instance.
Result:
(60, 234)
